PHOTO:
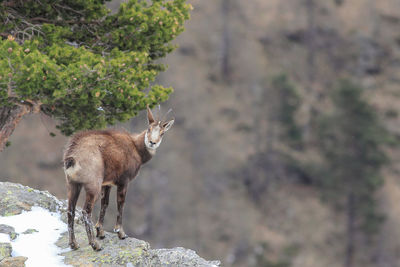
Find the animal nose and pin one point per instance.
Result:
(152, 143)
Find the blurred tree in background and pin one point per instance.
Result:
(289, 103)
(80, 64)
(351, 142)
(349, 136)
(283, 129)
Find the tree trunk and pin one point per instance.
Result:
(149, 217)
(350, 230)
(226, 38)
(9, 118)
(310, 61)
(311, 30)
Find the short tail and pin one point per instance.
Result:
(71, 168)
(69, 162)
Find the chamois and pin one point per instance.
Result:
(97, 160)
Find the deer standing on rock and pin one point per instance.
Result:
(97, 160)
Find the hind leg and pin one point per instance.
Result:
(92, 193)
(73, 194)
(105, 194)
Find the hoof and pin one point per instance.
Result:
(96, 246)
(74, 245)
(100, 233)
(122, 235)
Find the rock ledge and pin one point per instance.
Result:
(129, 252)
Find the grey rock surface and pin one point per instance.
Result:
(115, 252)
(13, 262)
(5, 250)
(6, 229)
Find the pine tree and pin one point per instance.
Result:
(288, 106)
(352, 139)
(79, 63)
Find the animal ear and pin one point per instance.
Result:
(168, 125)
(150, 117)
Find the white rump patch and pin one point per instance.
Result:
(39, 247)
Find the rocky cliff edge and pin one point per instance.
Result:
(18, 200)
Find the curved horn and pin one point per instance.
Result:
(165, 115)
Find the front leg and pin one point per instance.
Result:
(105, 193)
(121, 193)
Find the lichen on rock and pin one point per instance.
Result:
(5, 250)
(13, 262)
(10, 231)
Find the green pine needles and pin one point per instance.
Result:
(84, 66)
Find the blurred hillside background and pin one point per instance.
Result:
(284, 112)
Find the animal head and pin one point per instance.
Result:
(155, 130)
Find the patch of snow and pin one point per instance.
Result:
(39, 247)
(4, 238)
